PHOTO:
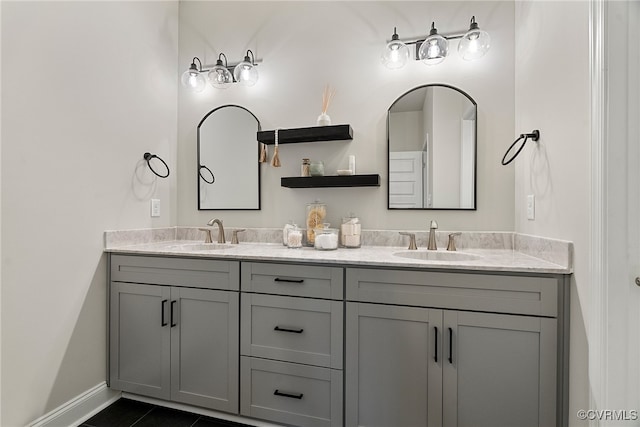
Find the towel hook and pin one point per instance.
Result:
(535, 136)
(148, 157)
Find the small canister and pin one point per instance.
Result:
(326, 238)
(316, 168)
(304, 169)
(316, 214)
(350, 232)
(285, 231)
(294, 238)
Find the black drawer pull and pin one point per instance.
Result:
(450, 345)
(435, 357)
(173, 304)
(285, 394)
(295, 331)
(277, 279)
(162, 307)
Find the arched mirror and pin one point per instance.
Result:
(431, 133)
(228, 168)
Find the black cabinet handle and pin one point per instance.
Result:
(162, 308)
(295, 331)
(435, 356)
(285, 394)
(450, 345)
(173, 304)
(277, 279)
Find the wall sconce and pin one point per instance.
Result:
(434, 48)
(220, 75)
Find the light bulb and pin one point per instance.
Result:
(475, 43)
(396, 53)
(193, 80)
(245, 73)
(220, 77)
(434, 49)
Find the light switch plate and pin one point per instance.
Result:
(155, 207)
(531, 207)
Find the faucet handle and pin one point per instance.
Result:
(207, 235)
(452, 243)
(412, 240)
(234, 237)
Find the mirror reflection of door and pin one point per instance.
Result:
(432, 149)
(228, 153)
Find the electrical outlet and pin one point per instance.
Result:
(531, 207)
(155, 207)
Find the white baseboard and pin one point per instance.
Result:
(201, 411)
(80, 408)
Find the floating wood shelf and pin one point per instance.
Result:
(372, 180)
(310, 134)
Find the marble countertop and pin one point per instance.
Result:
(496, 258)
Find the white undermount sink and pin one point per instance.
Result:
(197, 247)
(437, 255)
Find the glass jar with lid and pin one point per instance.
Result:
(350, 232)
(326, 239)
(294, 238)
(316, 214)
(316, 168)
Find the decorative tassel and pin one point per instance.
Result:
(275, 161)
(263, 153)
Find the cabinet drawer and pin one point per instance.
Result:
(293, 280)
(462, 291)
(289, 393)
(196, 273)
(292, 329)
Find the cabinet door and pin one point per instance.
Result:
(499, 370)
(140, 339)
(393, 366)
(204, 348)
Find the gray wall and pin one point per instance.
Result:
(306, 45)
(552, 94)
(87, 88)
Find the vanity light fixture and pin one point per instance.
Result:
(220, 75)
(395, 53)
(434, 48)
(475, 43)
(193, 78)
(245, 72)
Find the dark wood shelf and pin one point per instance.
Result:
(310, 134)
(372, 180)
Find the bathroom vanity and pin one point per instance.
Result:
(347, 337)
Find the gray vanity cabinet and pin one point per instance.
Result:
(393, 366)
(410, 364)
(173, 342)
(498, 370)
(292, 323)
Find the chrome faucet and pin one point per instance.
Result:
(220, 229)
(432, 246)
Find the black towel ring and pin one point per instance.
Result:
(535, 136)
(148, 157)
(213, 178)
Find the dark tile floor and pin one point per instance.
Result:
(129, 413)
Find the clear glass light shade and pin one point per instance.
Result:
(395, 54)
(220, 77)
(434, 49)
(245, 73)
(193, 80)
(474, 44)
